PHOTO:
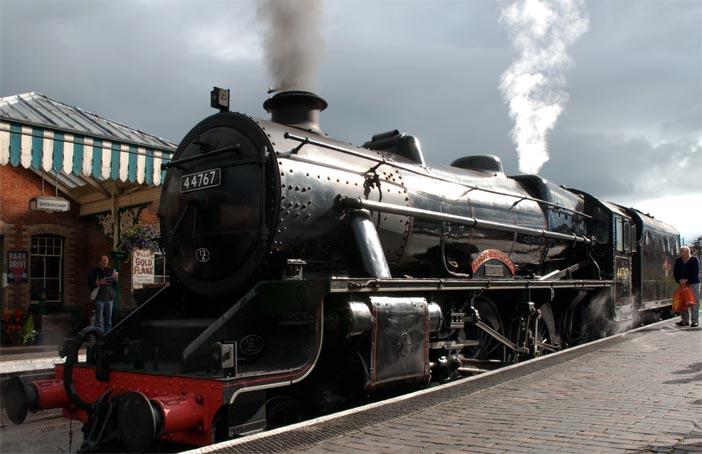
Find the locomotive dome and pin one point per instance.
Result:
(486, 162)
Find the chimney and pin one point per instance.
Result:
(296, 108)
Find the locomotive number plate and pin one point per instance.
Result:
(201, 180)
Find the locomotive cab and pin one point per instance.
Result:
(657, 245)
(614, 252)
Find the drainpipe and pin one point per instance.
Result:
(117, 257)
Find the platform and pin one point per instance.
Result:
(636, 392)
(31, 358)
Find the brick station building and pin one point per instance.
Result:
(70, 183)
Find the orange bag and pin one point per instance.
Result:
(683, 299)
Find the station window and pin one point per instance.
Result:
(46, 269)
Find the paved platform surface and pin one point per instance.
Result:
(31, 358)
(634, 393)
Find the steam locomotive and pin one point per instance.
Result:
(310, 275)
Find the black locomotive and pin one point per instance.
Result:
(310, 274)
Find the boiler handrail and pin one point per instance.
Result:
(362, 204)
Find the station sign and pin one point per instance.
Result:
(47, 203)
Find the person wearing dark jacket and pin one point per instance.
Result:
(104, 279)
(687, 272)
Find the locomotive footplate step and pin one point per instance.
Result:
(634, 392)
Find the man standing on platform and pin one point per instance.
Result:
(687, 272)
(104, 279)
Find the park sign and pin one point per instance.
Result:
(17, 267)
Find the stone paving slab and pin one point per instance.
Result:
(17, 360)
(634, 393)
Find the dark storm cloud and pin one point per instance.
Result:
(430, 70)
(631, 128)
(615, 167)
(146, 64)
(640, 68)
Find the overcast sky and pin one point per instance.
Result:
(631, 131)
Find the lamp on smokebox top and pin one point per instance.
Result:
(219, 99)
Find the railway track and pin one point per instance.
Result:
(45, 432)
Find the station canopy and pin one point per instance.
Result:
(99, 163)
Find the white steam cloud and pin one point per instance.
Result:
(534, 85)
(292, 42)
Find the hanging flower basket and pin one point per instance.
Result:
(140, 236)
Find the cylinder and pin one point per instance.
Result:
(360, 318)
(436, 317)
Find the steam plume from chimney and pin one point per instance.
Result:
(292, 42)
(534, 85)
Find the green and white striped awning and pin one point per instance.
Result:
(43, 134)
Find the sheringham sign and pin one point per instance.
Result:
(47, 203)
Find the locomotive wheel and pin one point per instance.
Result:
(547, 329)
(578, 326)
(489, 347)
(546, 334)
(282, 411)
